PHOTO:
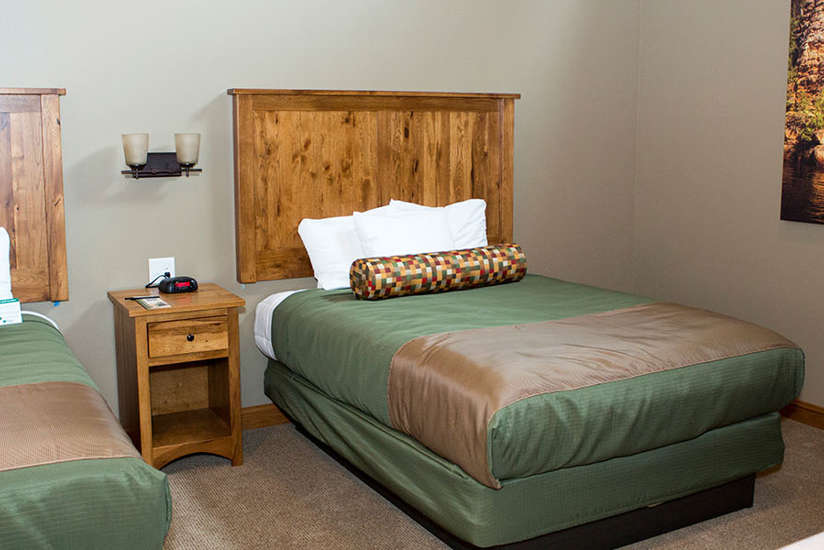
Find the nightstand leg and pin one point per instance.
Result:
(144, 396)
(234, 390)
(145, 403)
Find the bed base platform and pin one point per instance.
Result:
(599, 505)
(610, 532)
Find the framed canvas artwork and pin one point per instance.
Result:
(802, 185)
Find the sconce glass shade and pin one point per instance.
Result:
(187, 147)
(135, 147)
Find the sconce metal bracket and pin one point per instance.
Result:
(161, 165)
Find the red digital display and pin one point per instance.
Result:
(183, 285)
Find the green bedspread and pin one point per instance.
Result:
(344, 347)
(91, 504)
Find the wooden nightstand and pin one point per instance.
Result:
(178, 378)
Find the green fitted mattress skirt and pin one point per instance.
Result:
(534, 505)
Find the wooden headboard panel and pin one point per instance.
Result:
(31, 192)
(316, 153)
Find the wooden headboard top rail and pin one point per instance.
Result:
(374, 93)
(32, 91)
(320, 153)
(31, 192)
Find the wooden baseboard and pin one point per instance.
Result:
(806, 413)
(261, 416)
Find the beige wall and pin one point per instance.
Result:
(164, 67)
(648, 139)
(710, 130)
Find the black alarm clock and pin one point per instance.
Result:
(174, 285)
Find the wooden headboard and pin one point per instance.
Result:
(319, 153)
(31, 192)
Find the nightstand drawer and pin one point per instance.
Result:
(188, 336)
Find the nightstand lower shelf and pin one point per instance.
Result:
(193, 426)
(181, 433)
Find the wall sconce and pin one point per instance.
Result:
(144, 164)
(187, 148)
(136, 148)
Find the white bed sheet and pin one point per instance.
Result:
(264, 312)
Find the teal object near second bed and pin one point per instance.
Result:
(90, 504)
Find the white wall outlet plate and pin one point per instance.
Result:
(159, 266)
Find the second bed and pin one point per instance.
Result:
(672, 400)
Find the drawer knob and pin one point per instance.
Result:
(190, 337)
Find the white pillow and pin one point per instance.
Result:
(467, 220)
(5, 268)
(332, 245)
(403, 231)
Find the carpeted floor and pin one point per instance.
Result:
(289, 494)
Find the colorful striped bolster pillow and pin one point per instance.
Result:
(393, 276)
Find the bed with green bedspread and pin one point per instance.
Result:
(334, 358)
(91, 504)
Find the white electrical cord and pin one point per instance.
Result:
(49, 319)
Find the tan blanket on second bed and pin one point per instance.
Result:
(444, 388)
(56, 422)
